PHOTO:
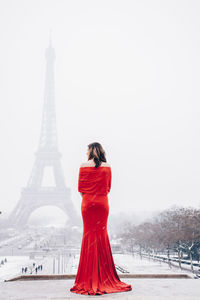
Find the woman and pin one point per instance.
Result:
(96, 273)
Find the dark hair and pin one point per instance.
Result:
(97, 153)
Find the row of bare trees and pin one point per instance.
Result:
(175, 230)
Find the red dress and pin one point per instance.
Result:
(96, 272)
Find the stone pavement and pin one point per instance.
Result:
(142, 289)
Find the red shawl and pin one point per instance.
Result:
(94, 180)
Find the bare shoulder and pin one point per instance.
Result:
(91, 164)
(87, 164)
(105, 164)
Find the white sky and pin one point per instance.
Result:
(127, 76)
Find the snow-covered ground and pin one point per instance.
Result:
(133, 264)
(13, 239)
(142, 289)
(13, 266)
(185, 266)
(136, 265)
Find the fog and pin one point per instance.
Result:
(126, 75)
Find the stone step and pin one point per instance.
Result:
(72, 276)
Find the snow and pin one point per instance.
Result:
(143, 288)
(133, 264)
(13, 266)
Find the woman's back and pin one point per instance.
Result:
(94, 180)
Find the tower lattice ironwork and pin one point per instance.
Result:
(34, 195)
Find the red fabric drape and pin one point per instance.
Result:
(94, 181)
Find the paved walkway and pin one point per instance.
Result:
(143, 289)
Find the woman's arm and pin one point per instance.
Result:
(79, 181)
(109, 180)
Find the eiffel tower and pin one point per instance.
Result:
(34, 195)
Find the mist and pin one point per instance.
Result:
(126, 75)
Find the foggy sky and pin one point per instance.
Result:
(126, 75)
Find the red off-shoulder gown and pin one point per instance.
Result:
(96, 272)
